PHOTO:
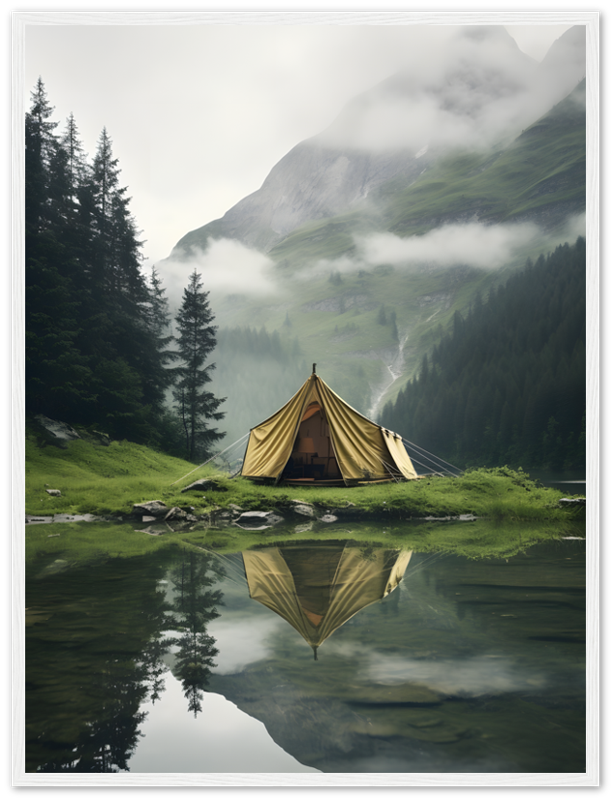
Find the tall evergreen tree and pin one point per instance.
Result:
(196, 340)
(95, 348)
(76, 167)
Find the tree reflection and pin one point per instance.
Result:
(195, 605)
(92, 659)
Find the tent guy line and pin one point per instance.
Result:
(317, 438)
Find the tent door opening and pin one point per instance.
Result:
(312, 457)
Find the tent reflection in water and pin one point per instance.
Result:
(316, 437)
(318, 587)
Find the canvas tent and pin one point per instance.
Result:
(317, 587)
(317, 437)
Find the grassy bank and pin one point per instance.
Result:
(109, 479)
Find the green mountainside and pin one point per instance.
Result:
(507, 384)
(368, 327)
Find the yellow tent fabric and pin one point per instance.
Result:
(318, 587)
(358, 447)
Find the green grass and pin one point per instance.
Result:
(514, 512)
(109, 480)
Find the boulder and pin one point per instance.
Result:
(58, 429)
(54, 492)
(179, 515)
(328, 518)
(205, 485)
(152, 508)
(257, 520)
(304, 509)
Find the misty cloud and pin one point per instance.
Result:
(482, 246)
(242, 641)
(226, 266)
(470, 677)
(477, 90)
(475, 244)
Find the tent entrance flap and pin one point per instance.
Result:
(312, 455)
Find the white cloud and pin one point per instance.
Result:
(470, 676)
(482, 246)
(226, 267)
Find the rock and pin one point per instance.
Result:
(572, 501)
(153, 508)
(249, 519)
(304, 510)
(150, 532)
(205, 485)
(180, 515)
(54, 492)
(148, 519)
(59, 429)
(328, 518)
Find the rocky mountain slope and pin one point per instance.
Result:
(396, 130)
(428, 188)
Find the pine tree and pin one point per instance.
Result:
(196, 340)
(57, 373)
(41, 145)
(76, 162)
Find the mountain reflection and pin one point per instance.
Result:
(472, 665)
(317, 587)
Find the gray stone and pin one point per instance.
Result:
(304, 510)
(175, 513)
(249, 519)
(148, 519)
(59, 429)
(328, 518)
(153, 508)
(205, 485)
(54, 492)
(150, 532)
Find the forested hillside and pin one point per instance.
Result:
(507, 384)
(97, 339)
(91, 348)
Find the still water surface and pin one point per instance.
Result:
(323, 656)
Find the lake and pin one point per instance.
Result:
(325, 656)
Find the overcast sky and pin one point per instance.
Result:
(200, 113)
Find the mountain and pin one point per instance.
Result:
(427, 189)
(400, 128)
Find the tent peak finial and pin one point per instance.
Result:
(314, 365)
